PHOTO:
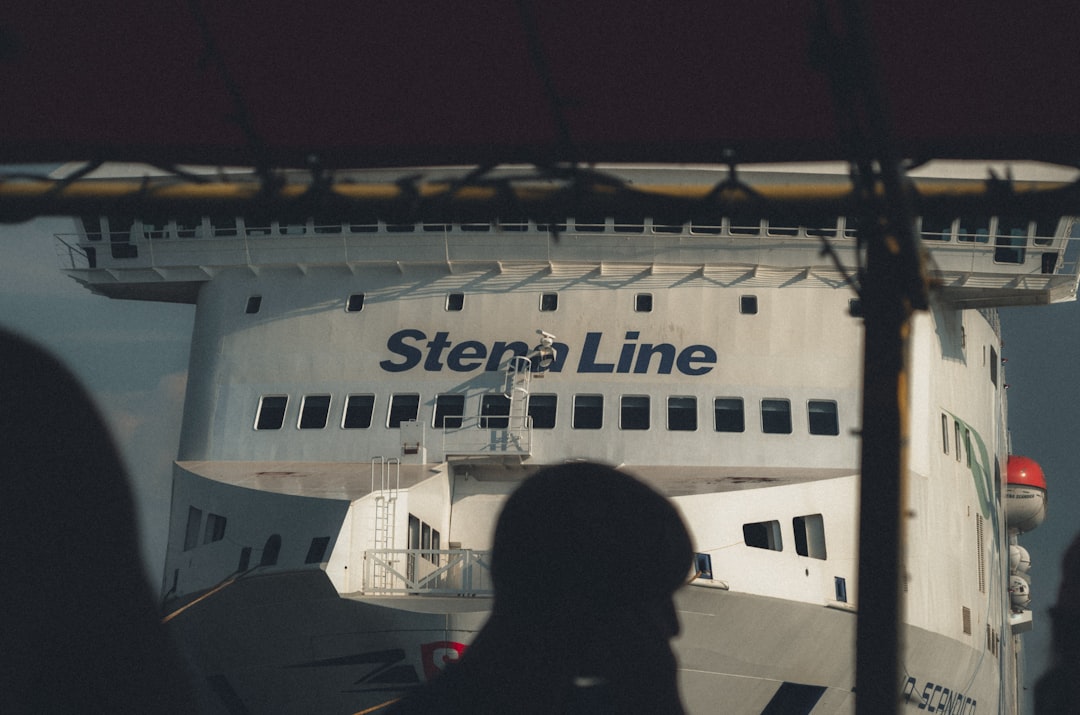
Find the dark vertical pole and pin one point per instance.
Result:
(887, 313)
(893, 286)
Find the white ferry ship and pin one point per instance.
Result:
(364, 393)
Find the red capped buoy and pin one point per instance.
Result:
(1025, 494)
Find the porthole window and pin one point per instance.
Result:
(455, 301)
(643, 303)
(549, 302)
(748, 305)
(254, 303)
(355, 303)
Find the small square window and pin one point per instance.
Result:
(358, 409)
(776, 416)
(542, 411)
(253, 304)
(682, 414)
(643, 303)
(455, 301)
(634, 412)
(748, 304)
(549, 302)
(313, 411)
(271, 414)
(822, 417)
(588, 411)
(403, 408)
(728, 414)
(494, 411)
(449, 411)
(355, 303)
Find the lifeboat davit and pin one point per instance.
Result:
(1025, 495)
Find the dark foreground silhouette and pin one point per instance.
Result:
(585, 562)
(79, 625)
(1057, 692)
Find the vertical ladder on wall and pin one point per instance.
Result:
(385, 482)
(516, 383)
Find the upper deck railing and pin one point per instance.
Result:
(452, 572)
(992, 261)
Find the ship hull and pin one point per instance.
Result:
(286, 642)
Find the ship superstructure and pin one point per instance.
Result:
(364, 393)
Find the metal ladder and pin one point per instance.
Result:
(517, 378)
(386, 474)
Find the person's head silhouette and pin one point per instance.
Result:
(80, 620)
(585, 562)
(1058, 690)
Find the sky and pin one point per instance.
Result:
(132, 357)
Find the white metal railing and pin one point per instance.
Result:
(444, 572)
(489, 434)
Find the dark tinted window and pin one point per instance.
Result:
(358, 410)
(728, 414)
(271, 412)
(403, 408)
(634, 412)
(776, 416)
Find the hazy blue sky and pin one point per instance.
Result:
(133, 358)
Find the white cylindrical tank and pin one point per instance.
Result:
(1019, 559)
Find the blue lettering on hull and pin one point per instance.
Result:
(412, 348)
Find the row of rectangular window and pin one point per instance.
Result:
(962, 438)
(549, 302)
(809, 531)
(214, 531)
(121, 229)
(635, 412)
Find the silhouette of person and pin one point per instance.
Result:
(79, 626)
(1057, 692)
(584, 563)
